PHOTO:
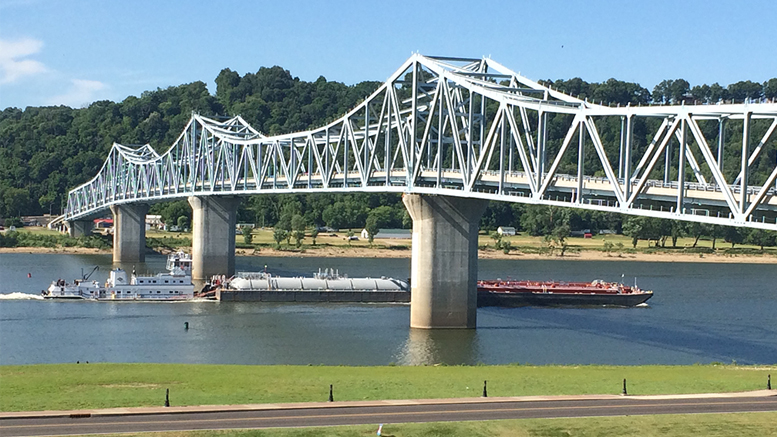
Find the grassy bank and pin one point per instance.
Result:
(73, 386)
(600, 247)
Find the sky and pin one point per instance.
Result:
(76, 52)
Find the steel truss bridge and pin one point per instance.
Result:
(473, 128)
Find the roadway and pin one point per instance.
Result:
(134, 420)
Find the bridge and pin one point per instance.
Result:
(450, 134)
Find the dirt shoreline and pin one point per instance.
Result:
(365, 252)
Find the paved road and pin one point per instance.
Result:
(353, 413)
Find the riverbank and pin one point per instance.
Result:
(384, 252)
(103, 385)
(87, 386)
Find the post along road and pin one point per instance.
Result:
(127, 420)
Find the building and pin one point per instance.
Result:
(154, 221)
(505, 230)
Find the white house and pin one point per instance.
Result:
(506, 230)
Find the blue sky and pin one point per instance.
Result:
(75, 52)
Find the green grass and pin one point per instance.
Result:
(74, 386)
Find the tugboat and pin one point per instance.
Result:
(175, 284)
(552, 293)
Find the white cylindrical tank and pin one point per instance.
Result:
(286, 283)
(254, 283)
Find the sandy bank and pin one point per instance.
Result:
(365, 252)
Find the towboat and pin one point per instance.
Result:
(175, 284)
(555, 293)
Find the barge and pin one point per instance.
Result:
(324, 286)
(554, 293)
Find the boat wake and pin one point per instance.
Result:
(20, 296)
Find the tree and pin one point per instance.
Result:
(761, 238)
(733, 235)
(349, 236)
(16, 201)
(560, 234)
(182, 222)
(496, 214)
(677, 230)
(695, 230)
(632, 227)
(770, 88)
(716, 231)
(372, 228)
(171, 212)
(543, 220)
(279, 235)
(298, 225)
(745, 89)
(248, 237)
(314, 234)
(497, 237)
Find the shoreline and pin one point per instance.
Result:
(365, 252)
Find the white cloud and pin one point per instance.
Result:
(13, 66)
(81, 92)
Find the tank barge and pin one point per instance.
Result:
(552, 293)
(325, 286)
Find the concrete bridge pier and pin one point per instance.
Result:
(445, 260)
(79, 228)
(213, 235)
(129, 232)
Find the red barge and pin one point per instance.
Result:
(552, 293)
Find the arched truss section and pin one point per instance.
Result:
(473, 128)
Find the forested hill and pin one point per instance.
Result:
(46, 151)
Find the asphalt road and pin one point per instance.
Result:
(375, 414)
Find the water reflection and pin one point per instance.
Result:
(445, 346)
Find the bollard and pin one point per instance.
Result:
(624, 388)
(331, 398)
(167, 397)
(186, 325)
(485, 393)
(769, 382)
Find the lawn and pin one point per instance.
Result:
(74, 386)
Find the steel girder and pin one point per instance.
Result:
(470, 128)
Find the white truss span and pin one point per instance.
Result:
(468, 128)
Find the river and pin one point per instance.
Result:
(700, 313)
